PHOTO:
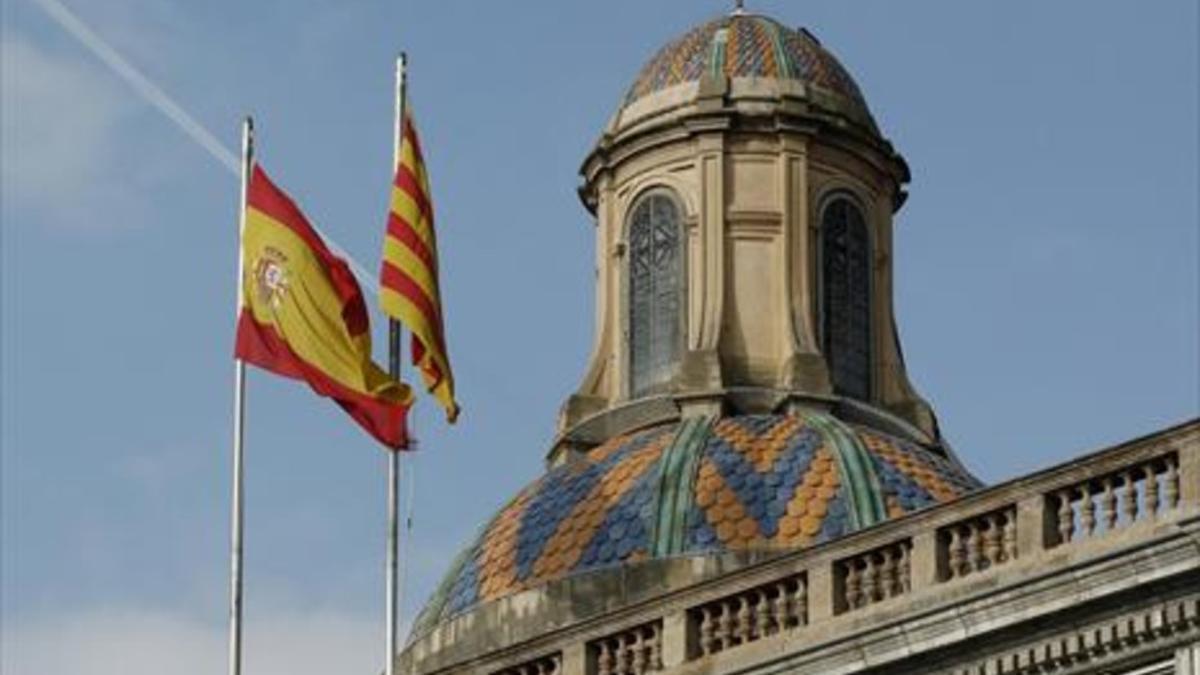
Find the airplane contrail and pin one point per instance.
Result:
(161, 101)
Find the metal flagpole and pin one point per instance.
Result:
(394, 334)
(239, 417)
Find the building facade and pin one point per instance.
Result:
(745, 480)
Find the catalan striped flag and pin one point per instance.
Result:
(409, 279)
(302, 315)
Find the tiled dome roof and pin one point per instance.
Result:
(745, 45)
(697, 487)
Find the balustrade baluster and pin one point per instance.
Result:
(656, 648)
(621, 657)
(1010, 535)
(725, 626)
(1171, 484)
(974, 547)
(1087, 511)
(801, 602)
(853, 586)
(957, 559)
(1066, 517)
(783, 609)
(762, 615)
(1151, 495)
(992, 552)
(1108, 505)
(888, 575)
(905, 567)
(870, 580)
(1129, 501)
(639, 654)
(707, 631)
(604, 662)
(744, 626)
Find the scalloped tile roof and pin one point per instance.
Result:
(696, 487)
(746, 46)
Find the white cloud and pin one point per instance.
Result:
(152, 642)
(59, 128)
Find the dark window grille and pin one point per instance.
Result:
(655, 293)
(846, 303)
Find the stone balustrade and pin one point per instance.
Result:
(1116, 500)
(874, 576)
(633, 651)
(977, 544)
(746, 616)
(686, 612)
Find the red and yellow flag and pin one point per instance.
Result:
(409, 280)
(302, 315)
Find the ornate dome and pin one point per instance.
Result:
(751, 46)
(695, 488)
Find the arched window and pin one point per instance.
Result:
(655, 292)
(846, 301)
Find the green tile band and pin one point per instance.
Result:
(676, 484)
(782, 62)
(863, 488)
(716, 63)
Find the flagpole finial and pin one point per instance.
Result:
(739, 7)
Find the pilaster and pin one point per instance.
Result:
(574, 659)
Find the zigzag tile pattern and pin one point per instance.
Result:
(765, 481)
(745, 46)
(760, 482)
(575, 518)
(913, 477)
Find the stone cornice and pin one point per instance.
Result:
(781, 116)
(594, 428)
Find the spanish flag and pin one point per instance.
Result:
(409, 280)
(302, 315)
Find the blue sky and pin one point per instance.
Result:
(1046, 278)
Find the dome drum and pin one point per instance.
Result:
(760, 107)
(748, 128)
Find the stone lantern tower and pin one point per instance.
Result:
(743, 200)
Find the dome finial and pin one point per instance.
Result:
(739, 7)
